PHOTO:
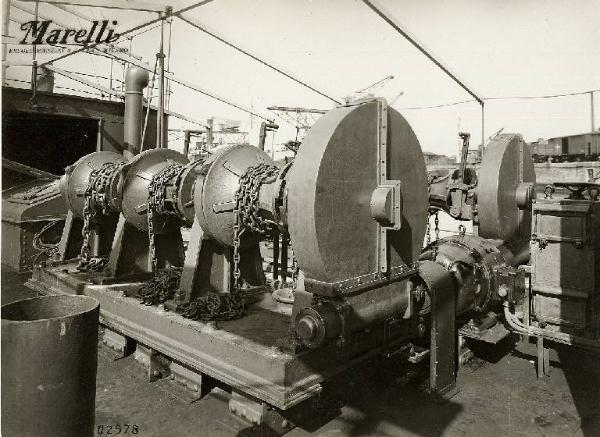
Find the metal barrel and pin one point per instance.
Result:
(49, 361)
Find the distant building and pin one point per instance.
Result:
(435, 159)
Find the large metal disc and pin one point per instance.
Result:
(136, 182)
(506, 164)
(75, 180)
(329, 191)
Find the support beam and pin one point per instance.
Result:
(185, 83)
(117, 94)
(288, 109)
(126, 32)
(64, 25)
(84, 81)
(192, 21)
(5, 39)
(592, 111)
(132, 5)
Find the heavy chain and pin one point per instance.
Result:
(437, 226)
(157, 203)
(247, 214)
(161, 288)
(95, 203)
(428, 229)
(215, 306)
(295, 271)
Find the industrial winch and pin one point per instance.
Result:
(354, 205)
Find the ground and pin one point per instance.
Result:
(499, 394)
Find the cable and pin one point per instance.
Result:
(439, 106)
(148, 101)
(542, 97)
(126, 32)
(265, 63)
(548, 96)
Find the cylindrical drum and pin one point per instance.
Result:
(49, 361)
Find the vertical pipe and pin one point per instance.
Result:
(5, 24)
(186, 143)
(136, 79)
(168, 86)
(284, 259)
(275, 258)
(110, 78)
(592, 110)
(482, 149)
(262, 134)
(161, 87)
(209, 134)
(34, 61)
(272, 146)
(99, 135)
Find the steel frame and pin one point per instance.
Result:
(258, 362)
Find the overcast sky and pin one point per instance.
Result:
(499, 48)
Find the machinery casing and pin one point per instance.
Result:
(565, 277)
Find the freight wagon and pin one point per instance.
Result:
(582, 147)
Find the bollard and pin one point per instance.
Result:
(49, 361)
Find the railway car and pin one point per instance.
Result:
(571, 148)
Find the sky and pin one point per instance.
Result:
(498, 48)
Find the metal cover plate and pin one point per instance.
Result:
(506, 163)
(329, 191)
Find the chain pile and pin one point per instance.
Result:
(158, 204)
(95, 203)
(215, 307)
(161, 287)
(247, 215)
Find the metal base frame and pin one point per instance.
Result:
(251, 354)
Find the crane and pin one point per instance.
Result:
(369, 90)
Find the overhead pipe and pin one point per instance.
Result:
(136, 79)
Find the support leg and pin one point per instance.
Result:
(543, 359)
(71, 239)
(443, 350)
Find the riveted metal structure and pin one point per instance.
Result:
(214, 196)
(89, 187)
(148, 234)
(135, 185)
(77, 177)
(477, 266)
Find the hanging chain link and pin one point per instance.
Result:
(247, 213)
(157, 203)
(437, 226)
(95, 204)
(428, 229)
(247, 217)
(295, 271)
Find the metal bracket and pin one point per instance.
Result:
(386, 200)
